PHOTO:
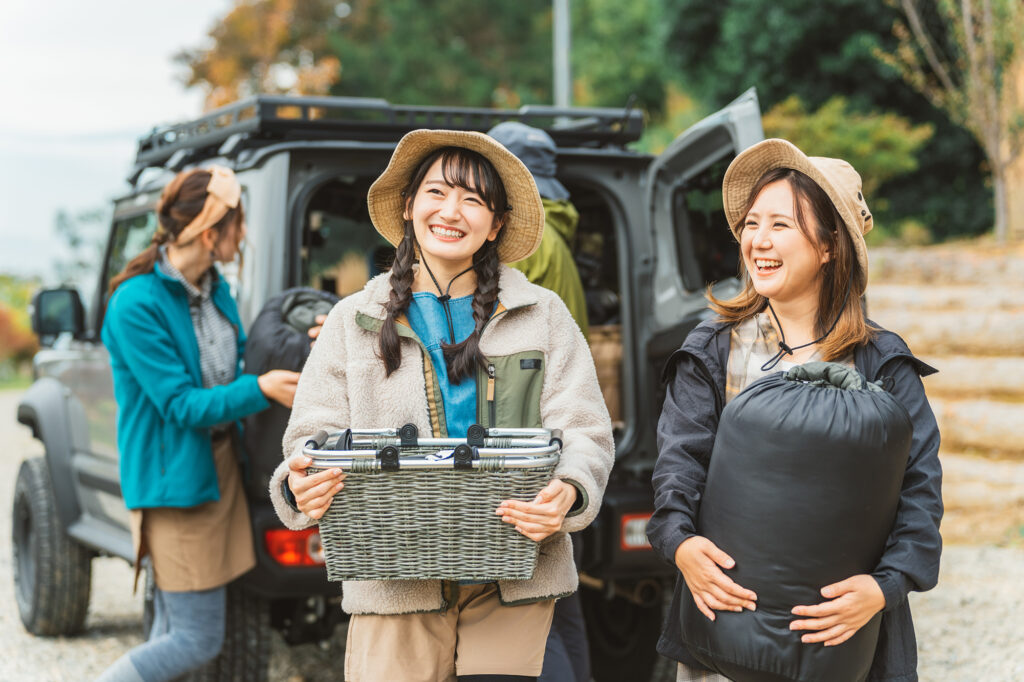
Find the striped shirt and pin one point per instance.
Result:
(216, 336)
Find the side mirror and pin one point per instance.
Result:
(55, 311)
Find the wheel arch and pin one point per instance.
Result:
(44, 409)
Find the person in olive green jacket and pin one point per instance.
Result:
(567, 654)
(551, 265)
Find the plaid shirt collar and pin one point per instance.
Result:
(195, 294)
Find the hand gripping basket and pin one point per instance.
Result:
(423, 508)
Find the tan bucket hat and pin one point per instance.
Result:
(525, 224)
(840, 181)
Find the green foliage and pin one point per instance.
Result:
(446, 52)
(681, 58)
(443, 52)
(17, 293)
(818, 50)
(618, 51)
(879, 145)
(972, 68)
(804, 47)
(680, 112)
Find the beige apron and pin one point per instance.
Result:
(201, 547)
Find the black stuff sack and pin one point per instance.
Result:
(278, 339)
(802, 490)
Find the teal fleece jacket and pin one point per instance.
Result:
(164, 413)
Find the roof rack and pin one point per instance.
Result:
(264, 118)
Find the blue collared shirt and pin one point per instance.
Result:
(427, 319)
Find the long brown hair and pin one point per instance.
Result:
(471, 171)
(840, 275)
(180, 202)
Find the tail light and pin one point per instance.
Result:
(295, 548)
(633, 534)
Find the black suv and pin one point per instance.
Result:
(651, 237)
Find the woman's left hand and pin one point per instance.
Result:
(544, 515)
(852, 603)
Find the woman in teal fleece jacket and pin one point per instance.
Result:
(175, 343)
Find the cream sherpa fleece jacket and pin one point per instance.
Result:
(343, 385)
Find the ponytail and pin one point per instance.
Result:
(180, 202)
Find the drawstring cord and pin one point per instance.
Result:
(786, 349)
(445, 297)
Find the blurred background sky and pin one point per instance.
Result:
(81, 82)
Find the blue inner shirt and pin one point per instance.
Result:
(427, 319)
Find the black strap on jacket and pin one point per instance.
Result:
(445, 297)
(786, 349)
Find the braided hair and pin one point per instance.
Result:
(472, 171)
(180, 202)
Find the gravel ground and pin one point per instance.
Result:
(969, 628)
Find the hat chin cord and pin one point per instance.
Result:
(786, 349)
(445, 297)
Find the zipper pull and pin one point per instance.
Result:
(490, 383)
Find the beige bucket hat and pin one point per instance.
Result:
(840, 181)
(525, 224)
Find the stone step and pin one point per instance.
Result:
(981, 426)
(944, 299)
(968, 332)
(984, 498)
(960, 377)
(974, 263)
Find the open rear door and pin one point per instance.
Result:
(695, 246)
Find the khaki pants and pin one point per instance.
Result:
(475, 636)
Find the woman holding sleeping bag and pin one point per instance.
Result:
(799, 499)
(449, 337)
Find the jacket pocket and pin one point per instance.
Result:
(509, 390)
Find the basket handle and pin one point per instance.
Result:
(464, 455)
(318, 440)
(409, 435)
(344, 441)
(476, 435)
(389, 458)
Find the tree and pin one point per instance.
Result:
(266, 46)
(978, 82)
(17, 343)
(84, 234)
(618, 52)
(879, 145)
(445, 52)
(818, 50)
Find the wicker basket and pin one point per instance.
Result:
(417, 509)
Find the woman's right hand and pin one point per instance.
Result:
(313, 492)
(699, 559)
(279, 385)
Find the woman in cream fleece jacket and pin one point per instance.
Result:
(447, 200)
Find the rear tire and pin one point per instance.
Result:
(246, 653)
(623, 637)
(52, 572)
